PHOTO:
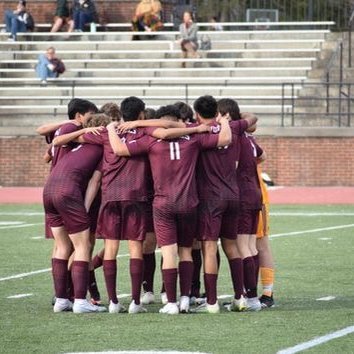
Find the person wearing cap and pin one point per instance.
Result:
(16, 21)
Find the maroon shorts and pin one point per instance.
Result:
(248, 222)
(173, 227)
(217, 218)
(66, 210)
(47, 230)
(122, 221)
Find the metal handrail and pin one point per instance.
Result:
(350, 29)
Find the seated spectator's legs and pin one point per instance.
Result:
(42, 70)
(17, 26)
(8, 19)
(80, 19)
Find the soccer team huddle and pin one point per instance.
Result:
(175, 179)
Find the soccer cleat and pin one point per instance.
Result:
(53, 300)
(237, 305)
(62, 305)
(253, 304)
(266, 301)
(170, 308)
(164, 299)
(207, 308)
(84, 306)
(116, 308)
(134, 308)
(184, 304)
(147, 298)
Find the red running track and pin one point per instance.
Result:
(278, 195)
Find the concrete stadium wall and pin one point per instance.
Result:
(110, 11)
(295, 158)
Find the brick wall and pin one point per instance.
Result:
(292, 161)
(110, 11)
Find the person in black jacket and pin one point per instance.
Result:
(16, 21)
(84, 11)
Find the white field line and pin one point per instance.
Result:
(8, 223)
(312, 231)
(19, 296)
(20, 213)
(19, 226)
(23, 275)
(317, 341)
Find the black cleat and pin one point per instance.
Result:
(266, 301)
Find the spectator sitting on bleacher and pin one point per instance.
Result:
(49, 66)
(147, 16)
(84, 11)
(16, 21)
(62, 17)
(189, 37)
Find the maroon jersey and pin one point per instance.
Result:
(173, 168)
(58, 152)
(216, 169)
(74, 170)
(124, 178)
(247, 178)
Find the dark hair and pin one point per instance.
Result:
(78, 105)
(185, 111)
(149, 113)
(22, 2)
(131, 107)
(112, 110)
(168, 111)
(206, 106)
(228, 105)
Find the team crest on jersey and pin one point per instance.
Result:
(215, 129)
(186, 137)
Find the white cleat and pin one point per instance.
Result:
(164, 299)
(207, 308)
(116, 308)
(148, 298)
(237, 305)
(170, 308)
(84, 306)
(134, 308)
(62, 305)
(184, 304)
(253, 304)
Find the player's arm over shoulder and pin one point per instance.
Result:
(118, 147)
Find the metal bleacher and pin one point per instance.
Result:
(249, 65)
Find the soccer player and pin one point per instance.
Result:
(219, 204)
(175, 203)
(64, 204)
(266, 262)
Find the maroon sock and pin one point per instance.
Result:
(197, 262)
(256, 265)
(163, 289)
(210, 281)
(236, 270)
(79, 273)
(60, 277)
(185, 270)
(97, 261)
(136, 276)
(249, 274)
(170, 281)
(70, 286)
(218, 259)
(92, 287)
(149, 271)
(110, 277)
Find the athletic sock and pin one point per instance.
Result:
(185, 270)
(149, 271)
(236, 270)
(92, 287)
(267, 279)
(210, 281)
(70, 285)
(136, 275)
(169, 277)
(197, 262)
(79, 273)
(249, 275)
(256, 266)
(60, 277)
(97, 261)
(110, 277)
(163, 289)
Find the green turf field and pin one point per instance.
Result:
(310, 265)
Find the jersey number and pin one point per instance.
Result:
(175, 152)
